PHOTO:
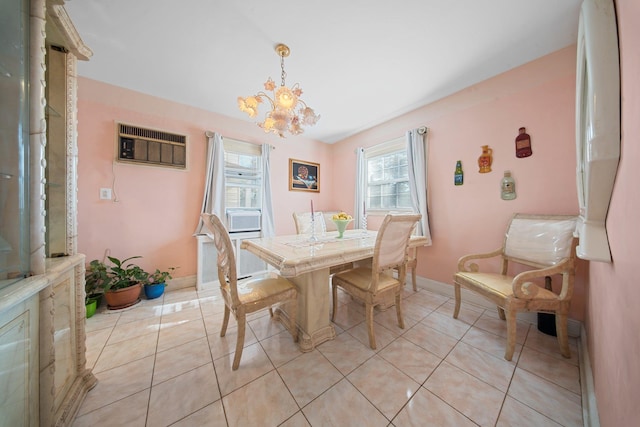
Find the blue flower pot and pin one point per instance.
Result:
(154, 290)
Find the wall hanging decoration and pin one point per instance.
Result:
(507, 187)
(523, 144)
(485, 159)
(458, 177)
(304, 176)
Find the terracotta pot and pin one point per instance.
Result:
(122, 298)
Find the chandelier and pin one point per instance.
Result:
(283, 115)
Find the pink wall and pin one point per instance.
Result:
(158, 208)
(612, 314)
(472, 218)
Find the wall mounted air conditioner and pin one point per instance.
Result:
(243, 220)
(151, 147)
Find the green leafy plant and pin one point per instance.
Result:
(120, 274)
(124, 275)
(158, 276)
(96, 276)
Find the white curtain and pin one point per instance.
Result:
(268, 229)
(417, 150)
(361, 183)
(214, 187)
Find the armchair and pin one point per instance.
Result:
(542, 242)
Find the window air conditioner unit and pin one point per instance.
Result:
(241, 220)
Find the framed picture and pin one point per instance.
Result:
(304, 176)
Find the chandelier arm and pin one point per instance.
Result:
(264, 95)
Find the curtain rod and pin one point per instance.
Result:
(209, 134)
(421, 130)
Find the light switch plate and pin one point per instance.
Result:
(105, 194)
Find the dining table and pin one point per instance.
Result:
(305, 260)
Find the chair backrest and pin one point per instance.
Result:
(328, 223)
(303, 222)
(227, 274)
(539, 240)
(392, 241)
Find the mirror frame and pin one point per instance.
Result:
(597, 125)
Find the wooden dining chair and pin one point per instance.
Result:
(542, 242)
(375, 284)
(249, 295)
(303, 223)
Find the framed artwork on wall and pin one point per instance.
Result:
(304, 176)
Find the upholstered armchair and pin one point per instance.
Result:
(546, 245)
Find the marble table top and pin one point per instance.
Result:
(297, 254)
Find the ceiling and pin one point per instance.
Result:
(359, 62)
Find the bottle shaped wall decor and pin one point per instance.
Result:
(485, 159)
(508, 187)
(458, 177)
(523, 144)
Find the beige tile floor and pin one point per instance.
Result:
(163, 363)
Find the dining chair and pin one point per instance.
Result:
(248, 295)
(412, 264)
(545, 244)
(375, 284)
(303, 222)
(329, 225)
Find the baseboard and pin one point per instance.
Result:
(446, 289)
(590, 416)
(181, 283)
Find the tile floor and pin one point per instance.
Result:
(163, 363)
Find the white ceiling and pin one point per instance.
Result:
(359, 62)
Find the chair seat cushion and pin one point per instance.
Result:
(261, 287)
(495, 284)
(361, 278)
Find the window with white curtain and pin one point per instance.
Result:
(387, 183)
(243, 174)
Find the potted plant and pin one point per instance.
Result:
(95, 276)
(157, 282)
(121, 281)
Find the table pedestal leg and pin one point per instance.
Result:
(314, 325)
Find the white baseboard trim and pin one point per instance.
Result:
(446, 289)
(590, 416)
(181, 283)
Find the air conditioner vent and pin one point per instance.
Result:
(151, 147)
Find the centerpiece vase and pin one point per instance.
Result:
(341, 224)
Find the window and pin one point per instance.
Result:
(243, 174)
(387, 183)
